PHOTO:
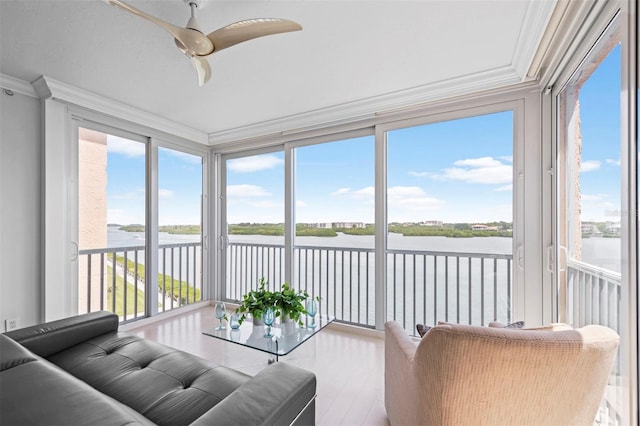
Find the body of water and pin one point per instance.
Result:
(598, 251)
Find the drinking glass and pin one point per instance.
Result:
(221, 310)
(267, 317)
(312, 309)
(234, 321)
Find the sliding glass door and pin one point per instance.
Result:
(139, 215)
(590, 192)
(111, 223)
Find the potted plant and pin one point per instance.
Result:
(256, 302)
(290, 303)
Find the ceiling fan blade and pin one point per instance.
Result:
(202, 68)
(194, 42)
(250, 29)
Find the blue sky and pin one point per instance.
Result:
(600, 124)
(455, 171)
(179, 184)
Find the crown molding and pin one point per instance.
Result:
(370, 107)
(48, 88)
(535, 21)
(17, 85)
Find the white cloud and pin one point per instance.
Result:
(411, 198)
(186, 157)
(592, 197)
(165, 193)
(589, 166)
(300, 203)
(504, 188)
(478, 162)
(136, 194)
(613, 162)
(484, 170)
(254, 164)
(419, 174)
(341, 191)
(365, 193)
(129, 148)
(246, 191)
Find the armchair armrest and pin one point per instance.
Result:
(281, 394)
(52, 337)
(400, 390)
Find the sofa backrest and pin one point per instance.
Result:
(52, 337)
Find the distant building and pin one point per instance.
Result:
(436, 223)
(348, 225)
(327, 225)
(483, 227)
(613, 227)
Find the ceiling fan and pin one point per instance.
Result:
(197, 46)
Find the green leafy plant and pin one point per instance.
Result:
(290, 303)
(287, 302)
(256, 302)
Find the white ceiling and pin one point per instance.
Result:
(352, 57)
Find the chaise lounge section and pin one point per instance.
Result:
(82, 370)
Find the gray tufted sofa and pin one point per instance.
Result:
(82, 370)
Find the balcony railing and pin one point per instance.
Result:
(422, 286)
(593, 294)
(113, 279)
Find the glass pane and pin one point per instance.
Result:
(180, 228)
(335, 211)
(111, 224)
(255, 223)
(590, 190)
(449, 204)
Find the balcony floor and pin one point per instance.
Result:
(349, 366)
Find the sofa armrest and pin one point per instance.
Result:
(52, 337)
(280, 394)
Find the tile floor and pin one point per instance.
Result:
(349, 366)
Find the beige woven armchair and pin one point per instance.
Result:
(469, 375)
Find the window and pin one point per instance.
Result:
(450, 221)
(335, 227)
(254, 222)
(116, 251)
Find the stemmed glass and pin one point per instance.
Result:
(312, 309)
(268, 316)
(221, 311)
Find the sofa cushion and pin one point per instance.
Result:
(35, 392)
(166, 385)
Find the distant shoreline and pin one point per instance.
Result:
(502, 229)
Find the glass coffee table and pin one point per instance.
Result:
(286, 337)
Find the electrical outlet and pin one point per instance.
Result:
(10, 324)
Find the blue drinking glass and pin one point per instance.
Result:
(221, 310)
(268, 316)
(312, 309)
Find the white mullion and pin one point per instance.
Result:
(381, 228)
(151, 252)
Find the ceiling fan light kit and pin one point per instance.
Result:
(196, 45)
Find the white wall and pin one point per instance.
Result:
(20, 207)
